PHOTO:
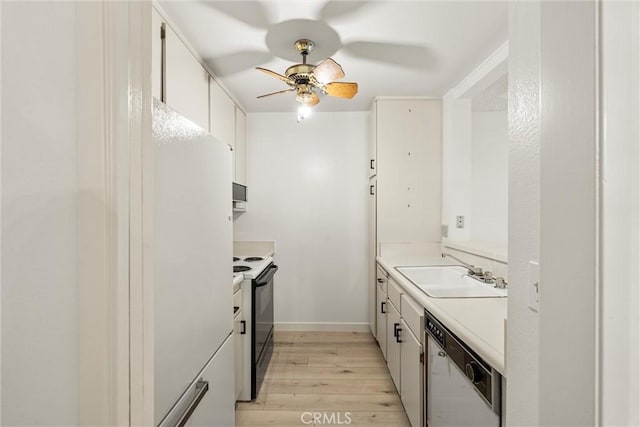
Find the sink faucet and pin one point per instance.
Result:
(473, 270)
(501, 283)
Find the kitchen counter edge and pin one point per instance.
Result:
(492, 350)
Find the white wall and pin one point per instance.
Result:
(489, 176)
(620, 214)
(308, 192)
(568, 212)
(39, 203)
(524, 211)
(456, 164)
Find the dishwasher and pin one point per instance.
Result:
(461, 389)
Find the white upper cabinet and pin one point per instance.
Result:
(409, 157)
(241, 148)
(179, 80)
(156, 54)
(371, 167)
(222, 114)
(186, 81)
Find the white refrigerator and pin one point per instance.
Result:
(193, 250)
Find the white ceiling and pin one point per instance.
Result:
(397, 48)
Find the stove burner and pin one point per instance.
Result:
(240, 268)
(235, 258)
(253, 258)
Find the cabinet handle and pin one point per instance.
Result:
(396, 327)
(371, 164)
(371, 189)
(398, 335)
(382, 304)
(380, 280)
(163, 61)
(243, 323)
(442, 353)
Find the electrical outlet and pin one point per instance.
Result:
(444, 230)
(460, 221)
(534, 285)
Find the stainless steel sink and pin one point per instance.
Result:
(449, 282)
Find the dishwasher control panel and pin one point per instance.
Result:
(436, 331)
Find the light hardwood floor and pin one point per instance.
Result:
(336, 374)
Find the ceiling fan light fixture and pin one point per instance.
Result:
(305, 79)
(304, 111)
(304, 97)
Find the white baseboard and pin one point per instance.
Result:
(323, 327)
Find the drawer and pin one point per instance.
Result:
(237, 302)
(413, 315)
(381, 279)
(394, 292)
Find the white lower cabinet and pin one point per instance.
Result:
(239, 330)
(411, 374)
(217, 407)
(381, 320)
(393, 344)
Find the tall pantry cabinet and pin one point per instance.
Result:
(405, 178)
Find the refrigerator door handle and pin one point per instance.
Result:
(202, 387)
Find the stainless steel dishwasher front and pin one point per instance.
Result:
(462, 390)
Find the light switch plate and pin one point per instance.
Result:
(444, 230)
(460, 221)
(534, 285)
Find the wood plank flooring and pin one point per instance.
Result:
(340, 376)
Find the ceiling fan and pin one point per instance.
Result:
(305, 79)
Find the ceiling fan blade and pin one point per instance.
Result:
(328, 71)
(276, 75)
(314, 100)
(341, 89)
(277, 93)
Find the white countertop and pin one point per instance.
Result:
(237, 279)
(479, 322)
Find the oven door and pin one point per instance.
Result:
(262, 326)
(263, 308)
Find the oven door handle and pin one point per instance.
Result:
(266, 276)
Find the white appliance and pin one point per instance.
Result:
(193, 320)
(257, 286)
(462, 390)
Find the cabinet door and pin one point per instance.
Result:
(409, 152)
(373, 305)
(241, 147)
(371, 167)
(216, 409)
(239, 330)
(393, 344)
(411, 375)
(222, 116)
(186, 81)
(156, 54)
(381, 321)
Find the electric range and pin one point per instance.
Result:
(250, 267)
(257, 297)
